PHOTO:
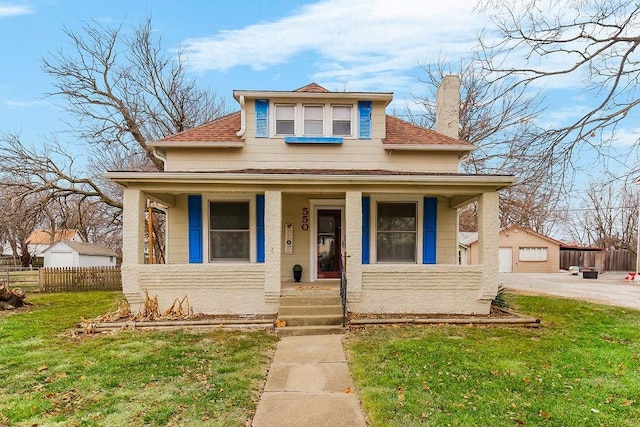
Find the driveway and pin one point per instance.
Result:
(608, 288)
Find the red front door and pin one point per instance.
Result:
(329, 243)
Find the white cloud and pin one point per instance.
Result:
(353, 42)
(14, 10)
(23, 104)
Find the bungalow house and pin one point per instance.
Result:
(322, 179)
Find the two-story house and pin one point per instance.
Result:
(311, 177)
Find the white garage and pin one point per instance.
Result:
(78, 254)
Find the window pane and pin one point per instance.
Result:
(229, 216)
(313, 112)
(342, 113)
(230, 245)
(284, 127)
(285, 112)
(396, 247)
(313, 127)
(533, 254)
(396, 217)
(341, 128)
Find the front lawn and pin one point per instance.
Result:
(582, 368)
(130, 378)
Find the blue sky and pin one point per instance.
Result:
(370, 45)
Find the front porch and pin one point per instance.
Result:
(284, 227)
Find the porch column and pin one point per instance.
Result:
(353, 237)
(134, 203)
(488, 231)
(273, 244)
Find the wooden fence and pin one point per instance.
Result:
(610, 260)
(80, 279)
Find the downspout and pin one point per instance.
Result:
(160, 155)
(242, 117)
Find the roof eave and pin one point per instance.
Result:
(429, 147)
(197, 144)
(269, 94)
(124, 178)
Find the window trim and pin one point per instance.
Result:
(322, 120)
(275, 119)
(351, 119)
(373, 235)
(530, 250)
(206, 229)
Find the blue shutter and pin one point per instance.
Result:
(260, 228)
(194, 205)
(262, 118)
(364, 119)
(366, 209)
(429, 230)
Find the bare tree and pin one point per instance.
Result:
(502, 123)
(125, 91)
(606, 215)
(592, 42)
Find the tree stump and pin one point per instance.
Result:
(10, 300)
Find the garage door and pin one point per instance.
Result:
(506, 260)
(61, 259)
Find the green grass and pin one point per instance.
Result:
(129, 378)
(582, 368)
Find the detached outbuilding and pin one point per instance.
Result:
(522, 250)
(79, 254)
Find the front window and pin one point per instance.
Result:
(285, 119)
(396, 232)
(313, 120)
(532, 254)
(229, 231)
(341, 120)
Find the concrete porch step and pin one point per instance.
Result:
(312, 319)
(297, 310)
(289, 331)
(309, 300)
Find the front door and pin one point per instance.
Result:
(329, 243)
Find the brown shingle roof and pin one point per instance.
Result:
(46, 236)
(313, 88)
(222, 129)
(400, 132)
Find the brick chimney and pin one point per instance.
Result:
(448, 106)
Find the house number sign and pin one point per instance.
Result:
(305, 219)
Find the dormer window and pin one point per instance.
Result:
(313, 120)
(285, 119)
(341, 120)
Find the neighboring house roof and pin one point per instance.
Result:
(89, 249)
(46, 237)
(467, 237)
(506, 230)
(578, 247)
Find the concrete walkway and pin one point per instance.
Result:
(309, 384)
